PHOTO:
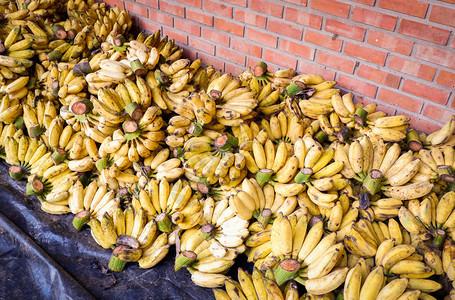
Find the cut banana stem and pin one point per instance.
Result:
(224, 142)
(413, 140)
(134, 111)
(35, 187)
(265, 216)
(130, 127)
(207, 231)
(58, 155)
(81, 107)
(116, 264)
(184, 259)
(264, 176)
(372, 183)
(304, 175)
(343, 134)
(446, 173)
(286, 270)
(17, 172)
(138, 68)
(164, 222)
(260, 69)
(360, 117)
(80, 219)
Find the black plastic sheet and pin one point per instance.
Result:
(42, 256)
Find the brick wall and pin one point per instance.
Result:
(397, 53)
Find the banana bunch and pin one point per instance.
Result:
(10, 108)
(16, 55)
(194, 113)
(136, 139)
(269, 100)
(178, 75)
(362, 239)
(220, 223)
(257, 285)
(19, 150)
(437, 164)
(390, 129)
(159, 165)
(214, 160)
(38, 118)
(443, 135)
(259, 77)
(110, 72)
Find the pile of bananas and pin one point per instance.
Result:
(153, 151)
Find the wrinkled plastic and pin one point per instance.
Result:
(42, 256)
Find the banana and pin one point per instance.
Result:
(327, 283)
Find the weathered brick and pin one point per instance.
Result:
(266, 7)
(172, 9)
(357, 85)
(289, 30)
(219, 38)
(409, 7)
(218, 8)
(422, 124)
(374, 18)
(366, 53)
(350, 31)
(261, 37)
(296, 49)
(118, 3)
(243, 3)
(426, 91)
(246, 47)
(367, 2)
(159, 17)
(324, 40)
(435, 55)
(149, 26)
(201, 45)
(332, 7)
(211, 61)
(199, 17)
(228, 26)
(379, 75)
(424, 32)
(233, 69)
(137, 9)
(411, 67)
(189, 53)
(149, 3)
(338, 62)
(439, 113)
(176, 35)
(390, 42)
(195, 3)
(303, 17)
(183, 25)
(395, 98)
(230, 55)
(442, 15)
(446, 78)
(251, 18)
(279, 58)
(310, 67)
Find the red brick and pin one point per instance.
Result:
(176, 35)
(218, 8)
(235, 70)
(211, 61)
(350, 31)
(261, 37)
(442, 15)
(229, 27)
(149, 26)
(268, 8)
(435, 55)
(409, 7)
(367, 2)
(196, 16)
(390, 42)
(379, 76)
(358, 86)
(422, 125)
(303, 17)
(332, 7)
(137, 9)
(118, 3)
(189, 53)
(161, 18)
(230, 55)
(251, 18)
(219, 38)
(426, 91)
(202, 45)
(243, 3)
(195, 3)
(172, 9)
(304, 3)
(289, 30)
(149, 3)
(411, 67)
(338, 62)
(366, 53)
(247, 48)
(296, 49)
(446, 78)
(374, 18)
(452, 44)
(308, 67)
(424, 32)
(449, 1)
(279, 58)
(400, 100)
(442, 114)
(183, 25)
(324, 40)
